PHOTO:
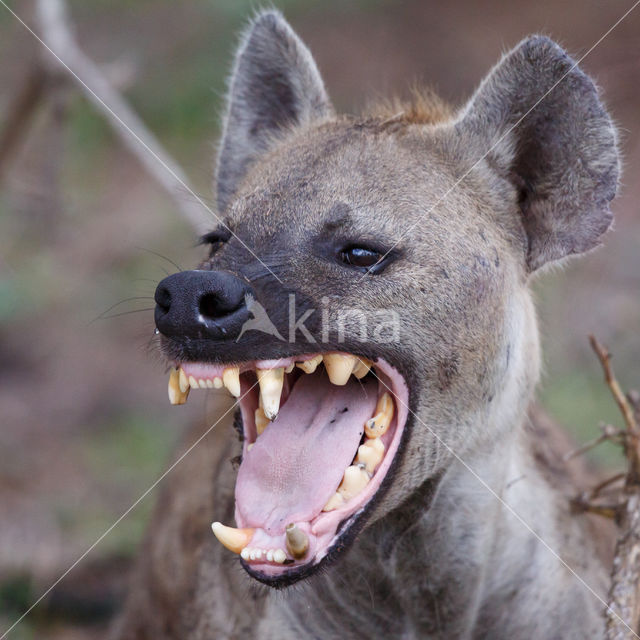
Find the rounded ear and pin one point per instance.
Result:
(553, 139)
(275, 84)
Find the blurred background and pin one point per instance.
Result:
(86, 233)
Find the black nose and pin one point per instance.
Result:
(201, 304)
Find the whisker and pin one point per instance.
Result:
(159, 255)
(123, 313)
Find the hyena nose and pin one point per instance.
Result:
(201, 304)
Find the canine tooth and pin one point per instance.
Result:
(270, 381)
(362, 367)
(353, 482)
(194, 383)
(233, 539)
(378, 425)
(176, 395)
(339, 367)
(334, 502)
(309, 366)
(262, 422)
(297, 541)
(245, 553)
(209, 383)
(183, 380)
(231, 380)
(289, 368)
(217, 383)
(279, 556)
(270, 555)
(370, 453)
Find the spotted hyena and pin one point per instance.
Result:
(367, 300)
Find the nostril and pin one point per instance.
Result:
(163, 299)
(211, 306)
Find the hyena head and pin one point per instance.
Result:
(366, 296)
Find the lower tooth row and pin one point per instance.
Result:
(369, 455)
(271, 555)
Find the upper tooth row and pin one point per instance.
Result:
(180, 384)
(339, 367)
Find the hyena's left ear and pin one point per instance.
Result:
(275, 84)
(553, 139)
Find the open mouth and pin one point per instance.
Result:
(320, 432)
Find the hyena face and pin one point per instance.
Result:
(366, 297)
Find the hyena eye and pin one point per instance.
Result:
(215, 239)
(362, 257)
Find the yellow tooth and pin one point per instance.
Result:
(339, 367)
(378, 425)
(370, 453)
(279, 556)
(270, 381)
(262, 422)
(194, 383)
(309, 366)
(183, 380)
(289, 368)
(203, 383)
(209, 383)
(231, 379)
(334, 502)
(217, 383)
(297, 541)
(233, 539)
(354, 481)
(362, 367)
(176, 395)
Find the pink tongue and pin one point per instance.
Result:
(296, 465)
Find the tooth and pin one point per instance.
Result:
(270, 555)
(202, 383)
(309, 366)
(184, 382)
(339, 367)
(279, 556)
(362, 367)
(271, 381)
(194, 383)
(250, 446)
(233, 539)
(176, 395)
(354, 481)
(378, 425)
(334, 502)
(245, 553)
(297, 541)
(262, 422)
(289, 368)
(370, 453)
(209, 383)
(217, 383)
(231, 379)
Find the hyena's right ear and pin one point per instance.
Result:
(275, 84)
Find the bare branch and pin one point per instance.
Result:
(56, 33)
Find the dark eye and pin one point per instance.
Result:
(361, 257)
(215, 239)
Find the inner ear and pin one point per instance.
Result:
(540, 119)
(275, 85)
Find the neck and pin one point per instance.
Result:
(454, 561)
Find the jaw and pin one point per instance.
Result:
(320, 434)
